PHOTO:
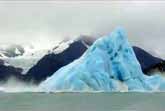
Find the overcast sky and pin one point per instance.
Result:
(38, 22)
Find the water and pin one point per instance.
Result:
(130, 101)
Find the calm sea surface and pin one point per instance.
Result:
(82, 102)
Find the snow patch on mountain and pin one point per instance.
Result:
(23, 57)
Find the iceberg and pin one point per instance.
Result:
(106, 66)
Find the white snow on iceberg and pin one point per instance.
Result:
(107, 64)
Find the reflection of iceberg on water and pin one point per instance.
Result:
(106, 66)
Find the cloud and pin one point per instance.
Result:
(30, 22)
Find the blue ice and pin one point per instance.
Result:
(108, 62)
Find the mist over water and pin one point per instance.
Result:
(13, 85)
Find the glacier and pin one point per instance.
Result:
(106, 66)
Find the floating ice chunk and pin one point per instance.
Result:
(109, 60)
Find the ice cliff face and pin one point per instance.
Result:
(107, 64)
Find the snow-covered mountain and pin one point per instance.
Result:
(27, 58)
(36, 65)
(21, 56)
(61, 55)
(16, 60)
